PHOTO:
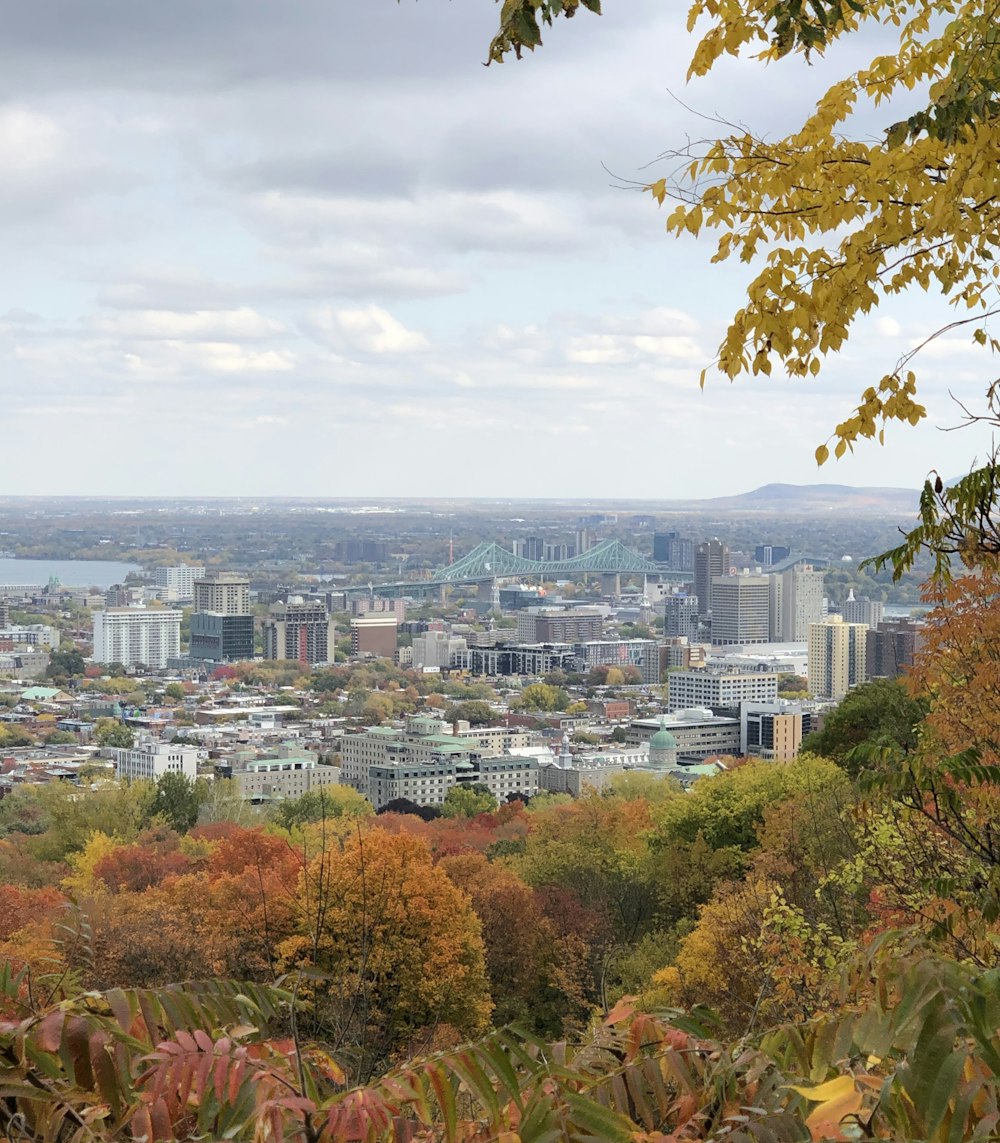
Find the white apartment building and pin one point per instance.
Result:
(149, 761)
(719, 689)
(32, 635)
(801, 602)
(137, 636)
(837, 657)
(437, 649)
(178, 582)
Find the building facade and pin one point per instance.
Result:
(274, 779)
(559, 625)
(863, 610)
(374, 635)
(223, 594)
(710, 559)
(149, 761)
(719, 690)
(891, 647)
(774, 731)
(741, 609)
(178, 583)
(300, 630)
(137, 636)
(837, 657)
(801, 602)
(221, 638)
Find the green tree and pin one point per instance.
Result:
(175, 691)
(475, 712)
(177, 800)
(541, 696)
(111, 732)
(877, 721)
(467, 801)
(65, 663)
(323, 804)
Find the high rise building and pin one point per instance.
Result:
(137, 636)
(223, 593)
(863, 610)
(221, 638)
(837, 657)
(530, 548)
(4, 612)
(178, 582)
(672, 549)
(680, 615)
(710, 559)
(767, 554)
(891, 647)
(375, 635)
(801, 602)
(741, 609)
(300, 630)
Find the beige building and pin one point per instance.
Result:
(801, 602)
(741, 609)
(223, 594)
(374, 635)
(267, 779)
(837, 657)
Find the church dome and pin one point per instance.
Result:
(663, 739)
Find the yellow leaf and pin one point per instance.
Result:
(832, 1089)
(822, 454)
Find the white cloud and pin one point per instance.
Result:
(366, 329)
(199, 325)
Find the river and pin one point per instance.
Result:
(70, 573)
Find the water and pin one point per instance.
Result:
(70, 573)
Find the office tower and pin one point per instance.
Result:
(584, 541)
(531, 548)
(4, 613)
(300, 630)
(223, 593)
(891, 647)
(672, 549)
(680, 615)
(137, 636)
(768, 554)
(710, 559)
(863, 610)
(837, 657)
(801, 602)
(374, 635)
(178, 582)
(741, 609)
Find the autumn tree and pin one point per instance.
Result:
(397, 944)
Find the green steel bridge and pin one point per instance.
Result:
(489, 562)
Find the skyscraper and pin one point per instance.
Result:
(741, 609)
(837, 657)
(178, 582)
(862, 610)
(672, 549)
(300, 630)
(710, 559)
(801, 602)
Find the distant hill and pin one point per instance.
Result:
(811, 498)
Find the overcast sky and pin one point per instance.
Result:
(316, 247)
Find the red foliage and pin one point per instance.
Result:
(19, 906)
(133, 868)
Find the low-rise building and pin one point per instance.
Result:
(720, 689)
(698, 733)
(275, 779)
(774, 731)
(149, 761)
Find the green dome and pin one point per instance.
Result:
(663, 739)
